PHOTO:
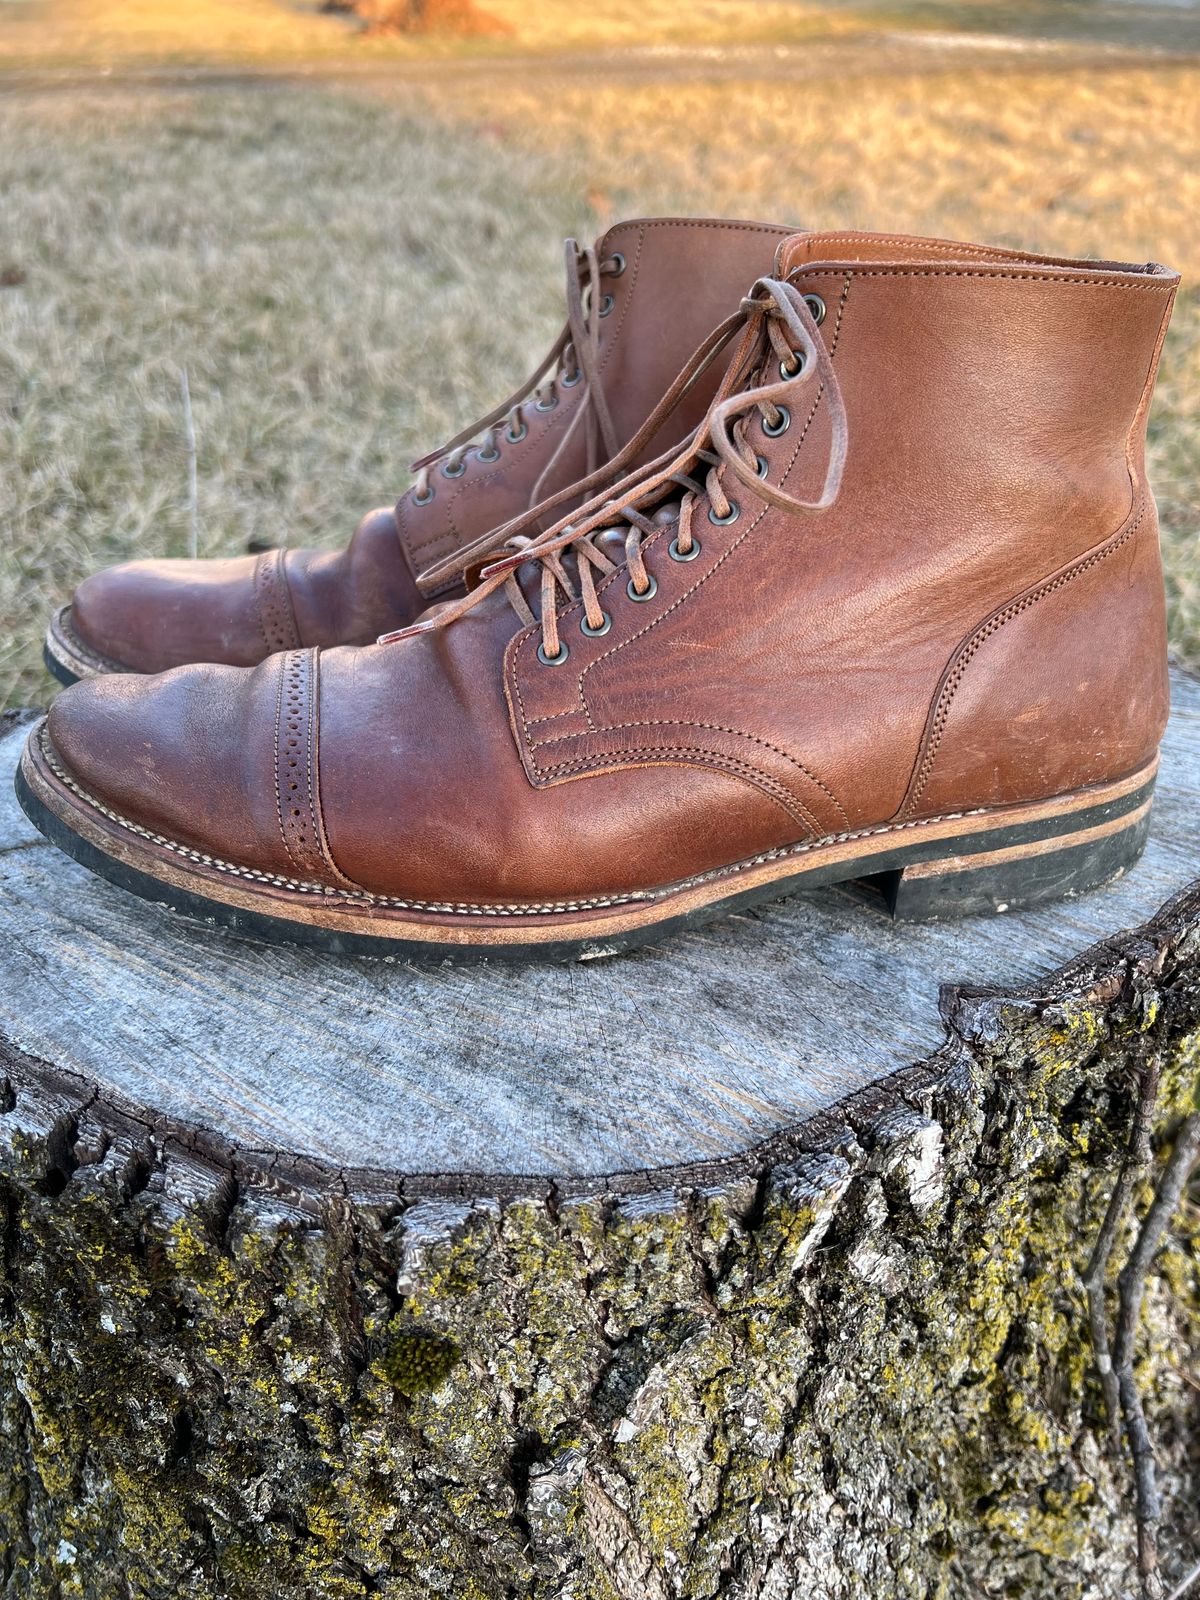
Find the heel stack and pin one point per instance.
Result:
(1017, 876)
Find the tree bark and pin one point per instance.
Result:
(849, 1358)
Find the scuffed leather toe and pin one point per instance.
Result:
(188, 755)
(153, 615)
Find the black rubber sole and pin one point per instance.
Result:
(58, 669)
(1014, 867)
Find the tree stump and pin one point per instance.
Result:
(748, 1266)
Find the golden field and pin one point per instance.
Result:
(353, 262)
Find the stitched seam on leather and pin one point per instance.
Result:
(993, 626)
(482, 908)
(1157, 285)
(743, 769)
(710, 727)
(929, 246)
(278, 793)
(273, 603)
(311, 759)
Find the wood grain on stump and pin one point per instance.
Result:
(749, 1265)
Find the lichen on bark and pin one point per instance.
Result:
(854, 1364)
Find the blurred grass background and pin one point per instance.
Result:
(352, 244)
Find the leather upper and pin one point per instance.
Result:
(678, 277)
(976, 620)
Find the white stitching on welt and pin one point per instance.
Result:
(542, 908)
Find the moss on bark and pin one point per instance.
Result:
(856, 1364)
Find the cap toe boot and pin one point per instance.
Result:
(896, 612)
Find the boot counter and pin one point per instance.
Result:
(1064, 687)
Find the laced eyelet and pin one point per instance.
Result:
(647, 593)
(453, 472)
(606, 305)
(793, 368)
(553, 661)
(547, 405)
(595, 633)
(423, 499)
(618, 264)
(816, 308)
(731, 515)
(515, 438)
(676, 554)
(489, 455)
(762, 466)
(570, 379)
(781, 427)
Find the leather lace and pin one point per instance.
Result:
(573, 358)
(775, 322)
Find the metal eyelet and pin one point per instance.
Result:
(781, 427)
(515, 438)
(570, 379)
(453, 472)
(618, 266)
(676, 554)
(553, 661)
(647, 593)
(423, 499)
(544, 406)
(816, 308)
(732, 515)
(489, 455)
(762, 466)
(606, 305)
(596, 633)
(795, 367)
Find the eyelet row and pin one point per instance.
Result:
(651, 589)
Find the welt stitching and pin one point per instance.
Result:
(84, 651)
(300, 886)
(993, 626)
(710, 727)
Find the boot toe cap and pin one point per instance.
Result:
(184, 757)
(149, 616)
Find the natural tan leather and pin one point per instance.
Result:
(661, 285)
(945, 594)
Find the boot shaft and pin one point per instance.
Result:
(664, 284)
(977, 619)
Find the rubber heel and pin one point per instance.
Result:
(1014, 878)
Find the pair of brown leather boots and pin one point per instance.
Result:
(803, 558)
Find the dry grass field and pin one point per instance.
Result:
(350, 268)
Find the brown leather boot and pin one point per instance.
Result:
(897, 612)
(639, 302)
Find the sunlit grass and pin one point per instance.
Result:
(349, 277)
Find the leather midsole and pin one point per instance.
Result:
(950, 842)
(65, 645)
